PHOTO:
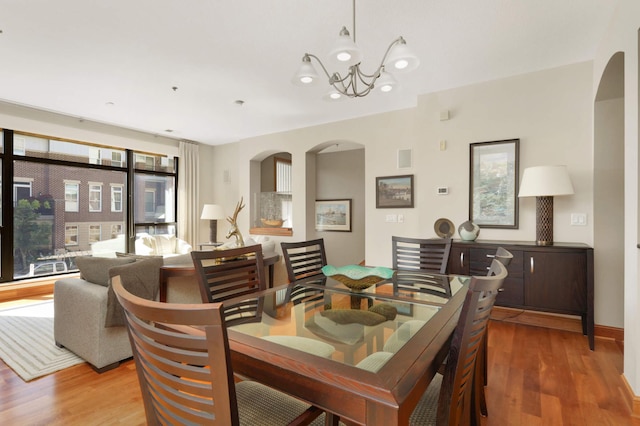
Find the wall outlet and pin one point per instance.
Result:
(578, 219)
(400, 218)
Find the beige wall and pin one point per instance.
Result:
(622, 36)
(550, 111)
(340, 175)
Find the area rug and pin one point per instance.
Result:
(27, 344)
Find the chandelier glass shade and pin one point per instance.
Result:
(356, 83)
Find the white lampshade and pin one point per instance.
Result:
(402, 58)
(345, 49)
(306, 74)
(386, 82)
(212, 212)
(333, 95)
(544, 181)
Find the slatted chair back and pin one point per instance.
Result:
(454, 405)
(184, 378)
(423, 254)
(304, 259)
(422, 282)
(226, 274)
(504, 256)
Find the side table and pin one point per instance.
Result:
(214, 245)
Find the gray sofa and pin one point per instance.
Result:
(86, 321)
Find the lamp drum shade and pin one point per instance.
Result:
(545, 181)
(212, 212)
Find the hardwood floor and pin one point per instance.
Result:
(537, 376)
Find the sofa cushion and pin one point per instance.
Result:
(140, 278)
(165, 244)
(96, 269)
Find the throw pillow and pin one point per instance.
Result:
(96, 269)
(140, 279)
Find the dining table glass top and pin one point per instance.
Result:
(365, 328)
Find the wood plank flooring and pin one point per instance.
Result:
(537, 376)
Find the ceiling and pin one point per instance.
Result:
(177, 68)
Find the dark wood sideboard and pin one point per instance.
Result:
(556, 278)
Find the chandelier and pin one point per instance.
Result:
(356, 83)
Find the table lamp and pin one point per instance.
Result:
(212, 212)
(545, 182)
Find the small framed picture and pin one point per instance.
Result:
(394, 192)
(333, 215)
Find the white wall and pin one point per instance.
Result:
(622, 36)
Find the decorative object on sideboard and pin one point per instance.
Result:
(398, 57)
(233, 220)
(468, 231)
(545, 182)
(212, 212)
(444, 228)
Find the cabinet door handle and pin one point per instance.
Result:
(461, 259)
(532, 264)
(490, 256)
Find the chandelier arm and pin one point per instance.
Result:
(311, 55)
(393, 43)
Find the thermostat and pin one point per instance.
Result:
(443, 190)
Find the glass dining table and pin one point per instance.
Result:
(366, 356)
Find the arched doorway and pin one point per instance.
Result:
(609, 192)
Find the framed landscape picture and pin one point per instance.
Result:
(333, 215)
(493, 183)
(394, 192)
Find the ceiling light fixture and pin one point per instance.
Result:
(397, 58)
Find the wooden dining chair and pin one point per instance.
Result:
(187, 377)
(503, 256)
(448, 399)
(226, 274)
(304, 259)
(423, 254)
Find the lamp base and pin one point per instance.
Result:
(544, 221)
(213, 231)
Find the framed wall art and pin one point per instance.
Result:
(333, 215)
(493, 183)
(394, 192)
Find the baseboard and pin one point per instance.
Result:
(607, 332)
(556, 321)
(633, 401)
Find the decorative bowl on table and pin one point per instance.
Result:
(357, 277)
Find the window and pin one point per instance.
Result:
(95, 155)
(116, 198)
(283, 175)
(21, 190)
(71, 197)
(116, 230)
(19, 146)
(71, 235)
(116, 159)
(95, 197)
(54, 171)
(149, 202)
(94, 233)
